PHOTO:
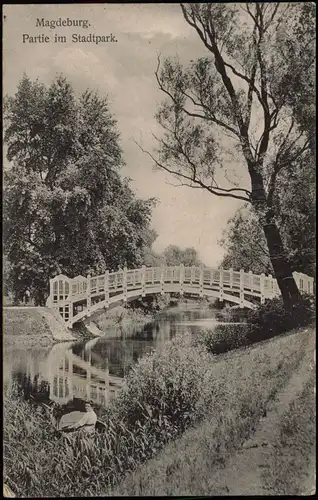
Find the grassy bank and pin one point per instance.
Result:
(189, 409)
(245, 385)
(291, 469)
(26, 327)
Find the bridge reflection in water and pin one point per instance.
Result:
(73, 376)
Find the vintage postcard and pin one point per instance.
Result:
(159, 249)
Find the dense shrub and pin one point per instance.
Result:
(163, 388)
(232, 314)
(218, 304)
(224, 338)
(150, 304)
(268, 320)
(272, 318)
(162, 396)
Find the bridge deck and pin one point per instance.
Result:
(98, 292)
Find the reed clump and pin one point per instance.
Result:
(158, 402)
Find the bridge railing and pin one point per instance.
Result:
(65, 292)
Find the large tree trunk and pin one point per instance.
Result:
(281, 266)
(282, 269)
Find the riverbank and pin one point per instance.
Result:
(224, 399)
(32, 326)
(29, 325)
(259, 440)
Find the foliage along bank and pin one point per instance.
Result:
(165, 393)
(66, 207)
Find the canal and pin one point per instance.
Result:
(73, 372)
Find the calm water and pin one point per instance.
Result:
(69, 373)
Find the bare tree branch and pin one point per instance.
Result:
(220, 66)
(192, 179)
(271, 19)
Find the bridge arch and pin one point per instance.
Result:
(75, 299)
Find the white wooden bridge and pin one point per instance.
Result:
(76, 299)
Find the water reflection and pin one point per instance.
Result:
(66, 373)
(78, 371)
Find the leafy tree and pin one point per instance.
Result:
(298, 53)
(174, 256)
(171, 256)
(236, 105)
(66, 207)
(245, 243)
(244, 239)
(151, 258)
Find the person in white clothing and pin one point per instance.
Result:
(87, 422)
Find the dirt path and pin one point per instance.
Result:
(248, 472)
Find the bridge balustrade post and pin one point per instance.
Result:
(262, 289)
(201, 280)
(270, 279)
(49, 300)
(250, 280)
(162, 279)
(181, 279)
(143, 281)
(125, 284)
(296, 278)
(242, 288)
(192, 279)
(88, 292)
(106, 288)
(231, 278)
(153, 275)
(221, 297)
(70, 312)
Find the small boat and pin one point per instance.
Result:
(64, 424)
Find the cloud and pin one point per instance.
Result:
(125, 72)
(75, 59)
(147, 20)
(77, 63)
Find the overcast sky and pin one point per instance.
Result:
(125, 72)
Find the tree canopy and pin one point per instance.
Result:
(172, 255)
(66, 207)
(244, 240)
(233, 121)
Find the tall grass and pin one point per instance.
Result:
(160, 399)
(164, 395)
(291, 470)
(243, 386)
